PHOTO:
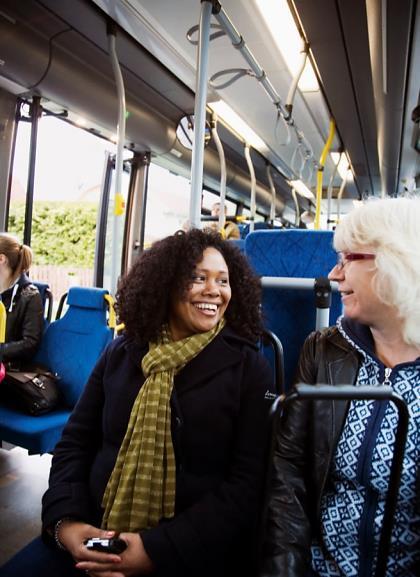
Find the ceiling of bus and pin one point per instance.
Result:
(374, 127)
(373, 120)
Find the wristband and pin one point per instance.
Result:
(57, 527)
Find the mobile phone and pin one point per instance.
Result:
(113, 545)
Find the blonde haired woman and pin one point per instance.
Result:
(332, 459)
(21, 299)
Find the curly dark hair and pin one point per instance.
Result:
(144, 295)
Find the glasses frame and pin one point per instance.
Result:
(343, 258)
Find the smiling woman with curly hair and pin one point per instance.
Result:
(166, 444)
(165, 271)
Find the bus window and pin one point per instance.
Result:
(168, 198)
(114, 234)
(67, 189)
(209, 198)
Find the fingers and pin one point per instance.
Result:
(106, 574)
(104, 567)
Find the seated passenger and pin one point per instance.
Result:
(231, 230)
(332, 459)
(166, 445)
(21, 299)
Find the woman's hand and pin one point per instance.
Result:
(72, 535)
(133, 561)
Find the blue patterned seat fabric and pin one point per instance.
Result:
(290, 313)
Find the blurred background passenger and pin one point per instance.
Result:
(231, 229)
(332, 459)
(21, 299)
(166, 446)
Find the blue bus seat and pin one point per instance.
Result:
(73, 343)
(259, 225)
(70, 347)
(289, 313)
(239, 243)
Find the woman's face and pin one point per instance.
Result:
(206, 299)
(355, 284)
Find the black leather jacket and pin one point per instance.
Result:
(304, 443)
(25, 321)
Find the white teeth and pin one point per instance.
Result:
(206, 306)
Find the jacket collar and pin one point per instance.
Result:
(358, 334)
(225, 347)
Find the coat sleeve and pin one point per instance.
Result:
(30, 332)
(68, 493)
(287, 535)
(198, 540)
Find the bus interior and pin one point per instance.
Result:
(304, 109)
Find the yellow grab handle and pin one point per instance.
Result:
(320, 173)
(119, 204)
(2, 323)
(112, 321)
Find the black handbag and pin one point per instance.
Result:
(34, 392)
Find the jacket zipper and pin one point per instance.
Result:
(366, 530)
(387, 380)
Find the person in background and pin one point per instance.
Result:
(231, 229)
(331, 461)
(166, 445)
(22, 301)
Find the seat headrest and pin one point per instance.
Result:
(87, 298)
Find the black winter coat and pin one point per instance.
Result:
(25, 321)
(219, 431)
(305, 441)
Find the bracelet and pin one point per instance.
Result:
(57, 527)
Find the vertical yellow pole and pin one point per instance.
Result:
(320, 173)
(2, 323)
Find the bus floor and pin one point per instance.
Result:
(23, 480)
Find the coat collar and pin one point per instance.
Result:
(226, 347)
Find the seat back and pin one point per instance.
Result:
(291, 313)
(239, 243)
(46, 297)
(72, 344)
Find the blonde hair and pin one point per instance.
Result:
(390, 227)
(19, 256)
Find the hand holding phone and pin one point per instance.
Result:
(113, 545)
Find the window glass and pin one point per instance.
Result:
(115, 230)
(68, 177)
(168, 204)
(258, 217)
(209, 198)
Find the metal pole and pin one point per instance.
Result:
(253, 186)
(339, 195)
(118, 197)
(322, 318)
(197, 161)
(35, 114)
(292, 283)
(329, 193)
(273, 195)
(297, 208)
(219, 146)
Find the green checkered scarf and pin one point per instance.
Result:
(141, 488)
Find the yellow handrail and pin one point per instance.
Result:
(320, 173)
(112, 320)
(2, 323)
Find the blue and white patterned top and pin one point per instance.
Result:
(353, 504)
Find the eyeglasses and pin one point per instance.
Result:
(344, 257)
